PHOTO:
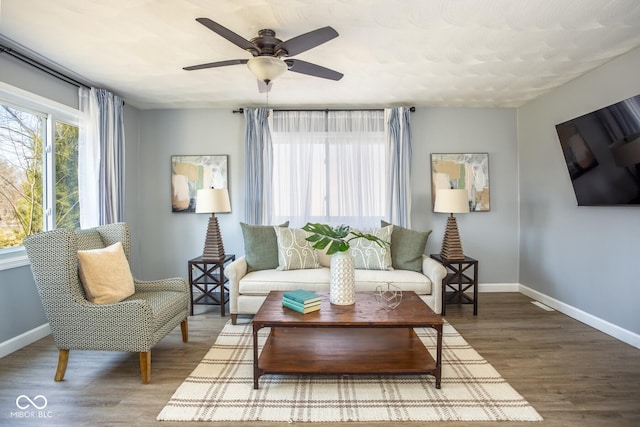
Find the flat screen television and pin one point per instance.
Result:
(602, 153)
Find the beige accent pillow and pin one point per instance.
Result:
(105, 274)
(294, 251)
(368, 255)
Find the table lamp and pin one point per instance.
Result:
(213, 200)
(451, 201)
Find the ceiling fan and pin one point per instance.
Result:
(267, 50)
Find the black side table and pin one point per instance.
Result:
(461, 275)
(208, 277)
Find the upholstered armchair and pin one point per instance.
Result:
(133, 324)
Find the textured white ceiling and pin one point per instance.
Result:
(474, 53)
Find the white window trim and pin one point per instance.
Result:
(13, 258)
(17, 257)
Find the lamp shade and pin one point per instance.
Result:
(267, 68)
(213, 200)
(451, 201)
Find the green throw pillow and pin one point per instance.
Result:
(260, 246)
(407, 247)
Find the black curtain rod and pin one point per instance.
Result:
(412, 109)
(40, 66)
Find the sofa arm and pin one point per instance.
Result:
(234, 272)
(436, 273)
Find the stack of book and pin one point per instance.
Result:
(301, 301)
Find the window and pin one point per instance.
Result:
(38, 165)
(329, 166)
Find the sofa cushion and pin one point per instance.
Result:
(261, 282)
(369, 255)
(105, 274)
(294, 251)
(407, 247)
(368, 280)
(260, 246)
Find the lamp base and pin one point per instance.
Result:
(451, 244)
(213, 247)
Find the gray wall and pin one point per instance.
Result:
(490, 237)
(586, 257)
(169, 239)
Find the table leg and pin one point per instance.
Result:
(438, 356)
(221, 286)
(256, 372)
(443, 309)
(475, 289)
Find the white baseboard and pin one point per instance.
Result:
(608, 328)
(499, 287)
(23, 340)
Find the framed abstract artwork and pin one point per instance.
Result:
(192, 173)
(469, 171)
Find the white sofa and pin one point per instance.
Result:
(248, 290)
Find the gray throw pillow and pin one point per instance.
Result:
(407, 247)
(260, 246)
(368, 255)
(295, 252)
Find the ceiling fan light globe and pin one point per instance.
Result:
(267, 68)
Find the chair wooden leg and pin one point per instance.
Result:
(63, 358)
(184, 328)
(234, 319)
(145, 366)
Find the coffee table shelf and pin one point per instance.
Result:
(345, 351)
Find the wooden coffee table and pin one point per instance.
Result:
(362, 338)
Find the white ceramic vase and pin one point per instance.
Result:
(342, 286)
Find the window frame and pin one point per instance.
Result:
(54, 112)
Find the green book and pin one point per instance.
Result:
(301, 306)
(301, 296)
(298, 308)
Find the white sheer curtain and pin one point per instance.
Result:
(88, 161)
(101, 158)
(329, 166)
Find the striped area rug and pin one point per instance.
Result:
(221, 389)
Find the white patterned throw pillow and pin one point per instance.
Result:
(369, 255)
(294, 251)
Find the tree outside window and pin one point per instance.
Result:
(24, 187)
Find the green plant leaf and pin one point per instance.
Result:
(335, 239)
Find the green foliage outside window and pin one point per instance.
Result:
(22, 190)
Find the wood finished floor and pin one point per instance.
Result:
(572, 374)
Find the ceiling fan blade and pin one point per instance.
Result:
(216, 64)
(303, 67)
(228, 34)
(263, 87)
(306, 41)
